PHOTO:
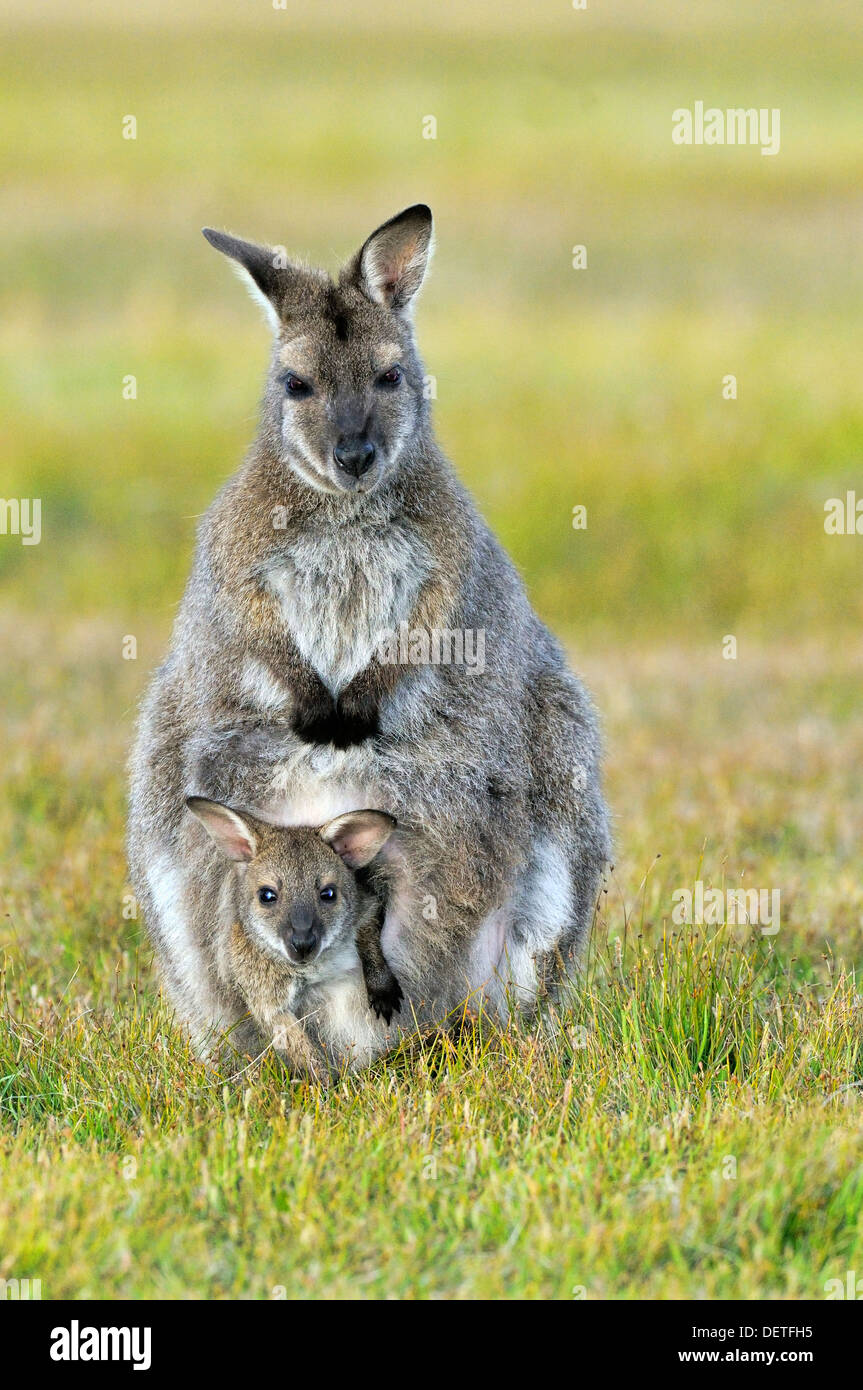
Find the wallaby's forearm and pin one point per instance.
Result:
(263, 985)
(313, 713)
(383, 989)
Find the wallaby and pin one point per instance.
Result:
(299, 917)
(318, 664)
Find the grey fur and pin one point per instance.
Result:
(274, 697)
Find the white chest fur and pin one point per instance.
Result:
(342, 590)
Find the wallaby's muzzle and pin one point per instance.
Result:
(302, 934)
(303, 945)
(354, 454)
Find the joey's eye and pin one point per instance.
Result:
(328, 894)
(295, 386)
(267, 896)
(391, 378)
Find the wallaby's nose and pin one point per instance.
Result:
(354, 454)
(303, 942)
(303, 931)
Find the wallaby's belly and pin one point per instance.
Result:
(344, 1024)
(340, 600)
(306, 799)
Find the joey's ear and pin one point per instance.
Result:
(358, 836)
(390, 267)
(269, 273)
(231, 832)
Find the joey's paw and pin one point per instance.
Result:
(303, 1059)
(386, 999)
(316, 1069)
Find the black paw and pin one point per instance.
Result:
(315, 720)
(386, 999)
(343, 723)
(356, 718)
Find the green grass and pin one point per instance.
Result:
(690, 1124)
(650, 1139)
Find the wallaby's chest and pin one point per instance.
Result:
(341, 592)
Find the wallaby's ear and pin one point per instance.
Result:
(358, 836)
(265, 267)
(230, 831)
(390, 267)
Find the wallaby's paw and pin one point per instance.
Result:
(317, 1070)
(297, 1051)
(386, 999)
(315, 720)
(342, 724)
(356, 718)
(304, 1066)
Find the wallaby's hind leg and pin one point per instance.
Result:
(384, 991)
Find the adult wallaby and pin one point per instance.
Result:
(311, 670)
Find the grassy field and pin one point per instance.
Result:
(691, 1125)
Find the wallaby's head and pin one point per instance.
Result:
(295, 889)
(345, 391)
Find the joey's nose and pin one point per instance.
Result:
(303, 943)
(354, 454)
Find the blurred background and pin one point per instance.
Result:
(556, 387)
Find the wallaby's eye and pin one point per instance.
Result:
(295, 386)
(391, 378)
(267, 896)
(328, 894)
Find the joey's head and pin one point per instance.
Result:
(345, 393)
(295, 888)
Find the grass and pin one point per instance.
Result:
(648, 1141)
(690, 1124)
